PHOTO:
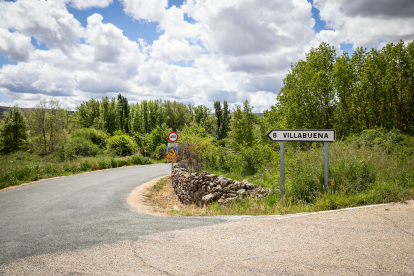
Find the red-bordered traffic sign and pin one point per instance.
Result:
(173, 137)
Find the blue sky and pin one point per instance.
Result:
(192, 53)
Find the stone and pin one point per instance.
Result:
(241, 191)
(205, 187)
(249, 186)
(208, 198)
(210, 176)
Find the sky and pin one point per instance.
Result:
(191, 51)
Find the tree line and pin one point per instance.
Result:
(371, 89)
(47, 128)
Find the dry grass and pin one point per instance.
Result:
(163, 199)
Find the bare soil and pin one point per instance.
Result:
(156, 197)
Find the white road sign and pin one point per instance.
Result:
(306, 135)
(173, 137)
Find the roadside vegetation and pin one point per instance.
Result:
(368, 98)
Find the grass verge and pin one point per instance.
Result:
(23, 168)
(163, 199)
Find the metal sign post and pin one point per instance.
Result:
(326, 165)
(282, 168)
(304, 135)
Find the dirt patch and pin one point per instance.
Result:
(156, 197)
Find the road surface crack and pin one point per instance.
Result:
(395, 225)
(134, 249)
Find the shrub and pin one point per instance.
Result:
(97, 137)
(122, 162)
(104, 163)
(160, 152)
(351, 176)
(114, 162)
(81, 146)
(86, 165)
(121, 144)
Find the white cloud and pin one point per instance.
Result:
(84, 4)
(172, 50)
(369, 23)
(46, 21)
(15, 44)
(145, 10)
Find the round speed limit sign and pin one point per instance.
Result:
(173, 137)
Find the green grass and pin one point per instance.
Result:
(358, 176)
(23, 167)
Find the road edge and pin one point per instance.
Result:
(136, 199)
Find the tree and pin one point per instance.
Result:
(87, 112)
(219, 116)
(242, 125)
(225, 121)
(200, 114)
(123, 113)
(307, 99)
(13, 131)
(108, 119)
(145, 117)
(48, 122)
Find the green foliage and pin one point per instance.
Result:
(222, 119)
(121, 145)
(153, 143)
(242, 125)
(13, 131)
(195, 130)
(87, 113)
(160, 152)
(123, 113)
(97, 137)
(307, 98)
(201, 114)
(81, 146)
(22, 167)
(372, 89)
(49, 125)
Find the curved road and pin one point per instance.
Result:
(80, 211)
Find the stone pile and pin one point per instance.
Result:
(204, 188)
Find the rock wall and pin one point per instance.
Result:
(204, 188)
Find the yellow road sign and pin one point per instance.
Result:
(171, 154)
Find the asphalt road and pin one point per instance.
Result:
(80, 211)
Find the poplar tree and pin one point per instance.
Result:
(13, 131)
(219, 117)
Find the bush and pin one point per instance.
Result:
(351, 176)
(160, 152)
(81, 146)
(86, 165)
(139, 160)
(97, 137)
(121, 145)
(378, 137)
(104, 163)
